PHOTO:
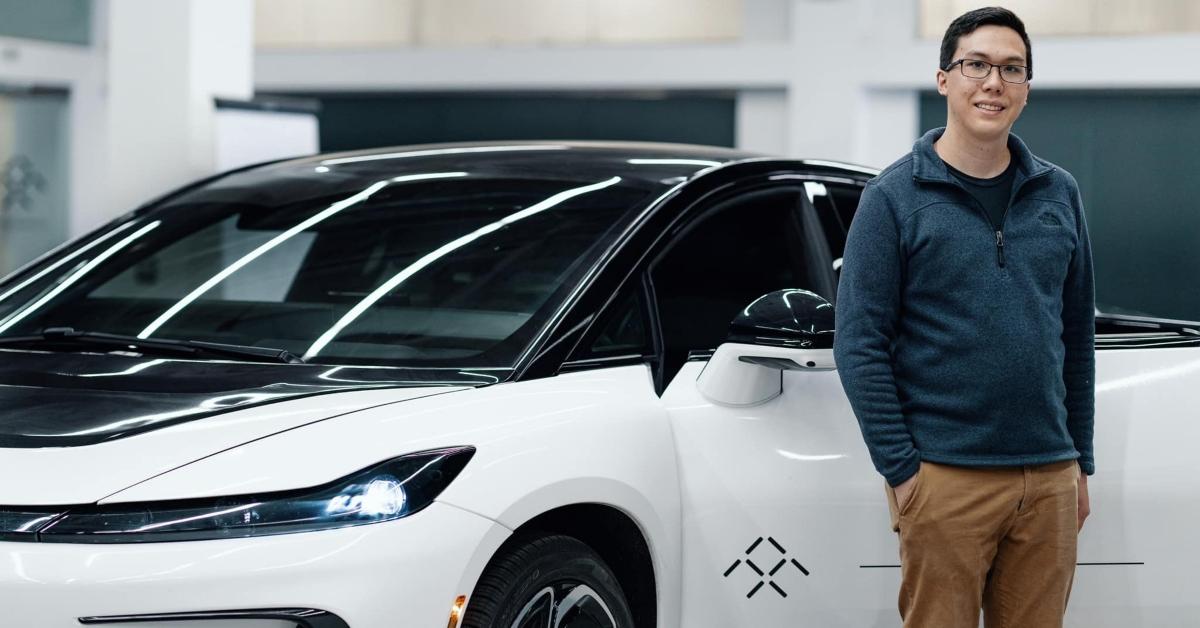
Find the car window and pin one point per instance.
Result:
(738, 250)
(427, 270)
(625, 332)
(173, 271)
(834, 204)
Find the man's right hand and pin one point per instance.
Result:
(904, 490)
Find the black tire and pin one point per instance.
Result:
(535, 581)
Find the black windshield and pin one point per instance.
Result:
(338, 263)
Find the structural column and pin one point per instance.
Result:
(761, 115)
(166, 61)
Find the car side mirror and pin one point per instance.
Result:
(782, 330)
(785, 318)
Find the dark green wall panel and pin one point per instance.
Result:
(1135, 155)
(353, 121)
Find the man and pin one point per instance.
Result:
(965, 344)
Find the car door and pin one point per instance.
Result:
(784, 517)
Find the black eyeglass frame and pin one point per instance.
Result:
(1028, 72)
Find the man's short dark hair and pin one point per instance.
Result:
(966, 24)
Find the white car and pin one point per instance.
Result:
(530, 384)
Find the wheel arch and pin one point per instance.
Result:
(618, 539)
(612, 533)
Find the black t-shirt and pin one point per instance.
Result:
(992, 194)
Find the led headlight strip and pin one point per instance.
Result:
(383, 492)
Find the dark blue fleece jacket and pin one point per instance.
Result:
(959, 341)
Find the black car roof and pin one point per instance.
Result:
(656, 163)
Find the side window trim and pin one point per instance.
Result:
(686, 218)
(691, 218)
(656, 332)
(844, 183)
(650, 321)
(817, 246)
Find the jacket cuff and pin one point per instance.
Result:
(1088, 466)
(909, 469)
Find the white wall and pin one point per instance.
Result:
(245, 137)
(815, 78)
(141, 95)
(1077, 17)
(846, 72)
(357, 24)
(166, 63)
(761, 121)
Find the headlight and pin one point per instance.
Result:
(389, 490)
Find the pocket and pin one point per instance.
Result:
(916, 491)
(893, 511)
(893, 505)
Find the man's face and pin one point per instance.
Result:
(985, 108)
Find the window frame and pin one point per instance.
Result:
(646, 239)
(700, 210)
(637, 283)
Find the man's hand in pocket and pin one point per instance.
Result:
(904, 490)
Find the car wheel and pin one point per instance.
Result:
(549, 581)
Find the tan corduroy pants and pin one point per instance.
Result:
(1001, 539)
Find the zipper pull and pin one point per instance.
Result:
(1000, 248)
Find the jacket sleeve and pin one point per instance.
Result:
(1079, 336)
(867, 315)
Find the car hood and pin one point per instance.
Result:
(75, 428)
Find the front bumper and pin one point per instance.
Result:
(400, 573)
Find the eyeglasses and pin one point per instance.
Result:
(976, 69)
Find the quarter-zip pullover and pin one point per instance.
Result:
(960, 341)
(991, 194)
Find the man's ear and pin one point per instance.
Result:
(941, 82)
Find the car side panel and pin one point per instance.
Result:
(115, 465)
(598, 436)
(791, 479)
(372, 575)
(1137, 549)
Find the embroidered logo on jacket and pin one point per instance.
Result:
(1050, 220)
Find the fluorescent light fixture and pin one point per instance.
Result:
(78, 274)
(280, 239)
(445, 249)
(66, 259)
(813, 189)
(674, 162)
(838, 164)
(809, 457)
(136, 368)
(438, 151)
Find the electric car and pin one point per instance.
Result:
(509, 384)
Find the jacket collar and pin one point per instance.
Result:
(929, 167)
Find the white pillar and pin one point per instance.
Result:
(761, 121)
(766, 20)
(89, 205)
(166, 62)
(761, 115)
(888, 118)
(824, 85)
(888, 121)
